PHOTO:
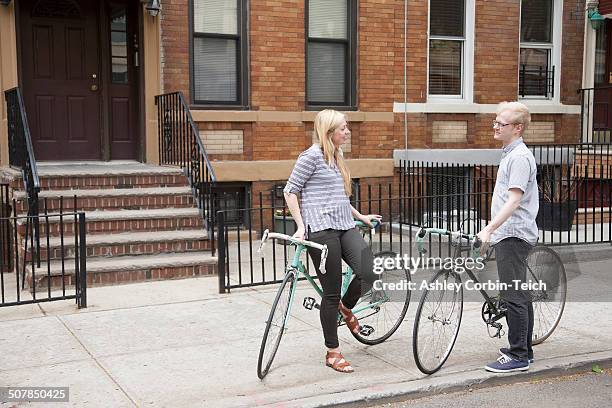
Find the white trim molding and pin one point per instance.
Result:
(555, 47)
(471, 156)
(535, 107)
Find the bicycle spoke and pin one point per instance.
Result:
(383, 310)
(275, 326)
(548, 303)
(437, 324)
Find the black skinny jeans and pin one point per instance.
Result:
(350, 246)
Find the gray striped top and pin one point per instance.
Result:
(324, 204)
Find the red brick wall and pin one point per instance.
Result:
(572, 52)
(416, 50)
(277, 73)
(376, 55)
(605, 7)
(175, 46)
(277, 55)
(496, 50)
(278, 140)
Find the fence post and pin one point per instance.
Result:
(221, 250)
(82, 299)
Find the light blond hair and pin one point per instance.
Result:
(325, 124)
(519, 113)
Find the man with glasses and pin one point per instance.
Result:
(513, 231)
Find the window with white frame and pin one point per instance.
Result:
(536, 61)
(331, 53)
(447, 43)
(219, 52)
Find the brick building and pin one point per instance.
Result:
(417, 79)
(461, 58)
(244, 68)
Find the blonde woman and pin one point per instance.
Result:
(325, 215)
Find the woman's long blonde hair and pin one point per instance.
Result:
(325, 124)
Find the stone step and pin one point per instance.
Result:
(106, 222)
(127, 243)
(125, 269)
(95, 175)
(128, 198)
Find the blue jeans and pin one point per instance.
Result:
(511, 255)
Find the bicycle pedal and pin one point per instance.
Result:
(310, 303)
(366, 330)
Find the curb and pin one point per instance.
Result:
(476, 378)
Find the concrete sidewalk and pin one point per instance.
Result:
(180, 343)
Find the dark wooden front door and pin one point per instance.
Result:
(60, 71)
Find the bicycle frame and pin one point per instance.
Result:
(456, 237)
(297, 267)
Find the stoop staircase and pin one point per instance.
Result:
(142, 223)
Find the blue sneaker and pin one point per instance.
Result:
(504, 352)
(505, 364)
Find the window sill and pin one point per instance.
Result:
(335, 107)
(535, 107)
(199, 106)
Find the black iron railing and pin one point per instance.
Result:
(536, 81)
(575, 190)
(596, 115)
(21, 154)
(180, 145)
(57, 272)
(6, 258)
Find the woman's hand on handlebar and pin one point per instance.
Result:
(299, 233)
(368, 218)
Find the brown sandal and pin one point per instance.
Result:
(351, 321)
(338, 363)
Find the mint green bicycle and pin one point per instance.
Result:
(380, 312)
(438, 316)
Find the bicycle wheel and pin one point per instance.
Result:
(385, 307)
(437, 321)
(275, 326)
(543, 264)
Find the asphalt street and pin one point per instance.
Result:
(587, 389)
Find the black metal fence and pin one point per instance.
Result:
(56, 270)
(180, 145)
(575, 187)
(239, 263)
(596, 115)
(5, 233)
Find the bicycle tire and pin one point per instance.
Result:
(282, 301)
(548, 304)
(385, 318)
(428, 326)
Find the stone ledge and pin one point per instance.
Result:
(268, 170)
(282, 116)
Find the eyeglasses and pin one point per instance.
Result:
(500, 124)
